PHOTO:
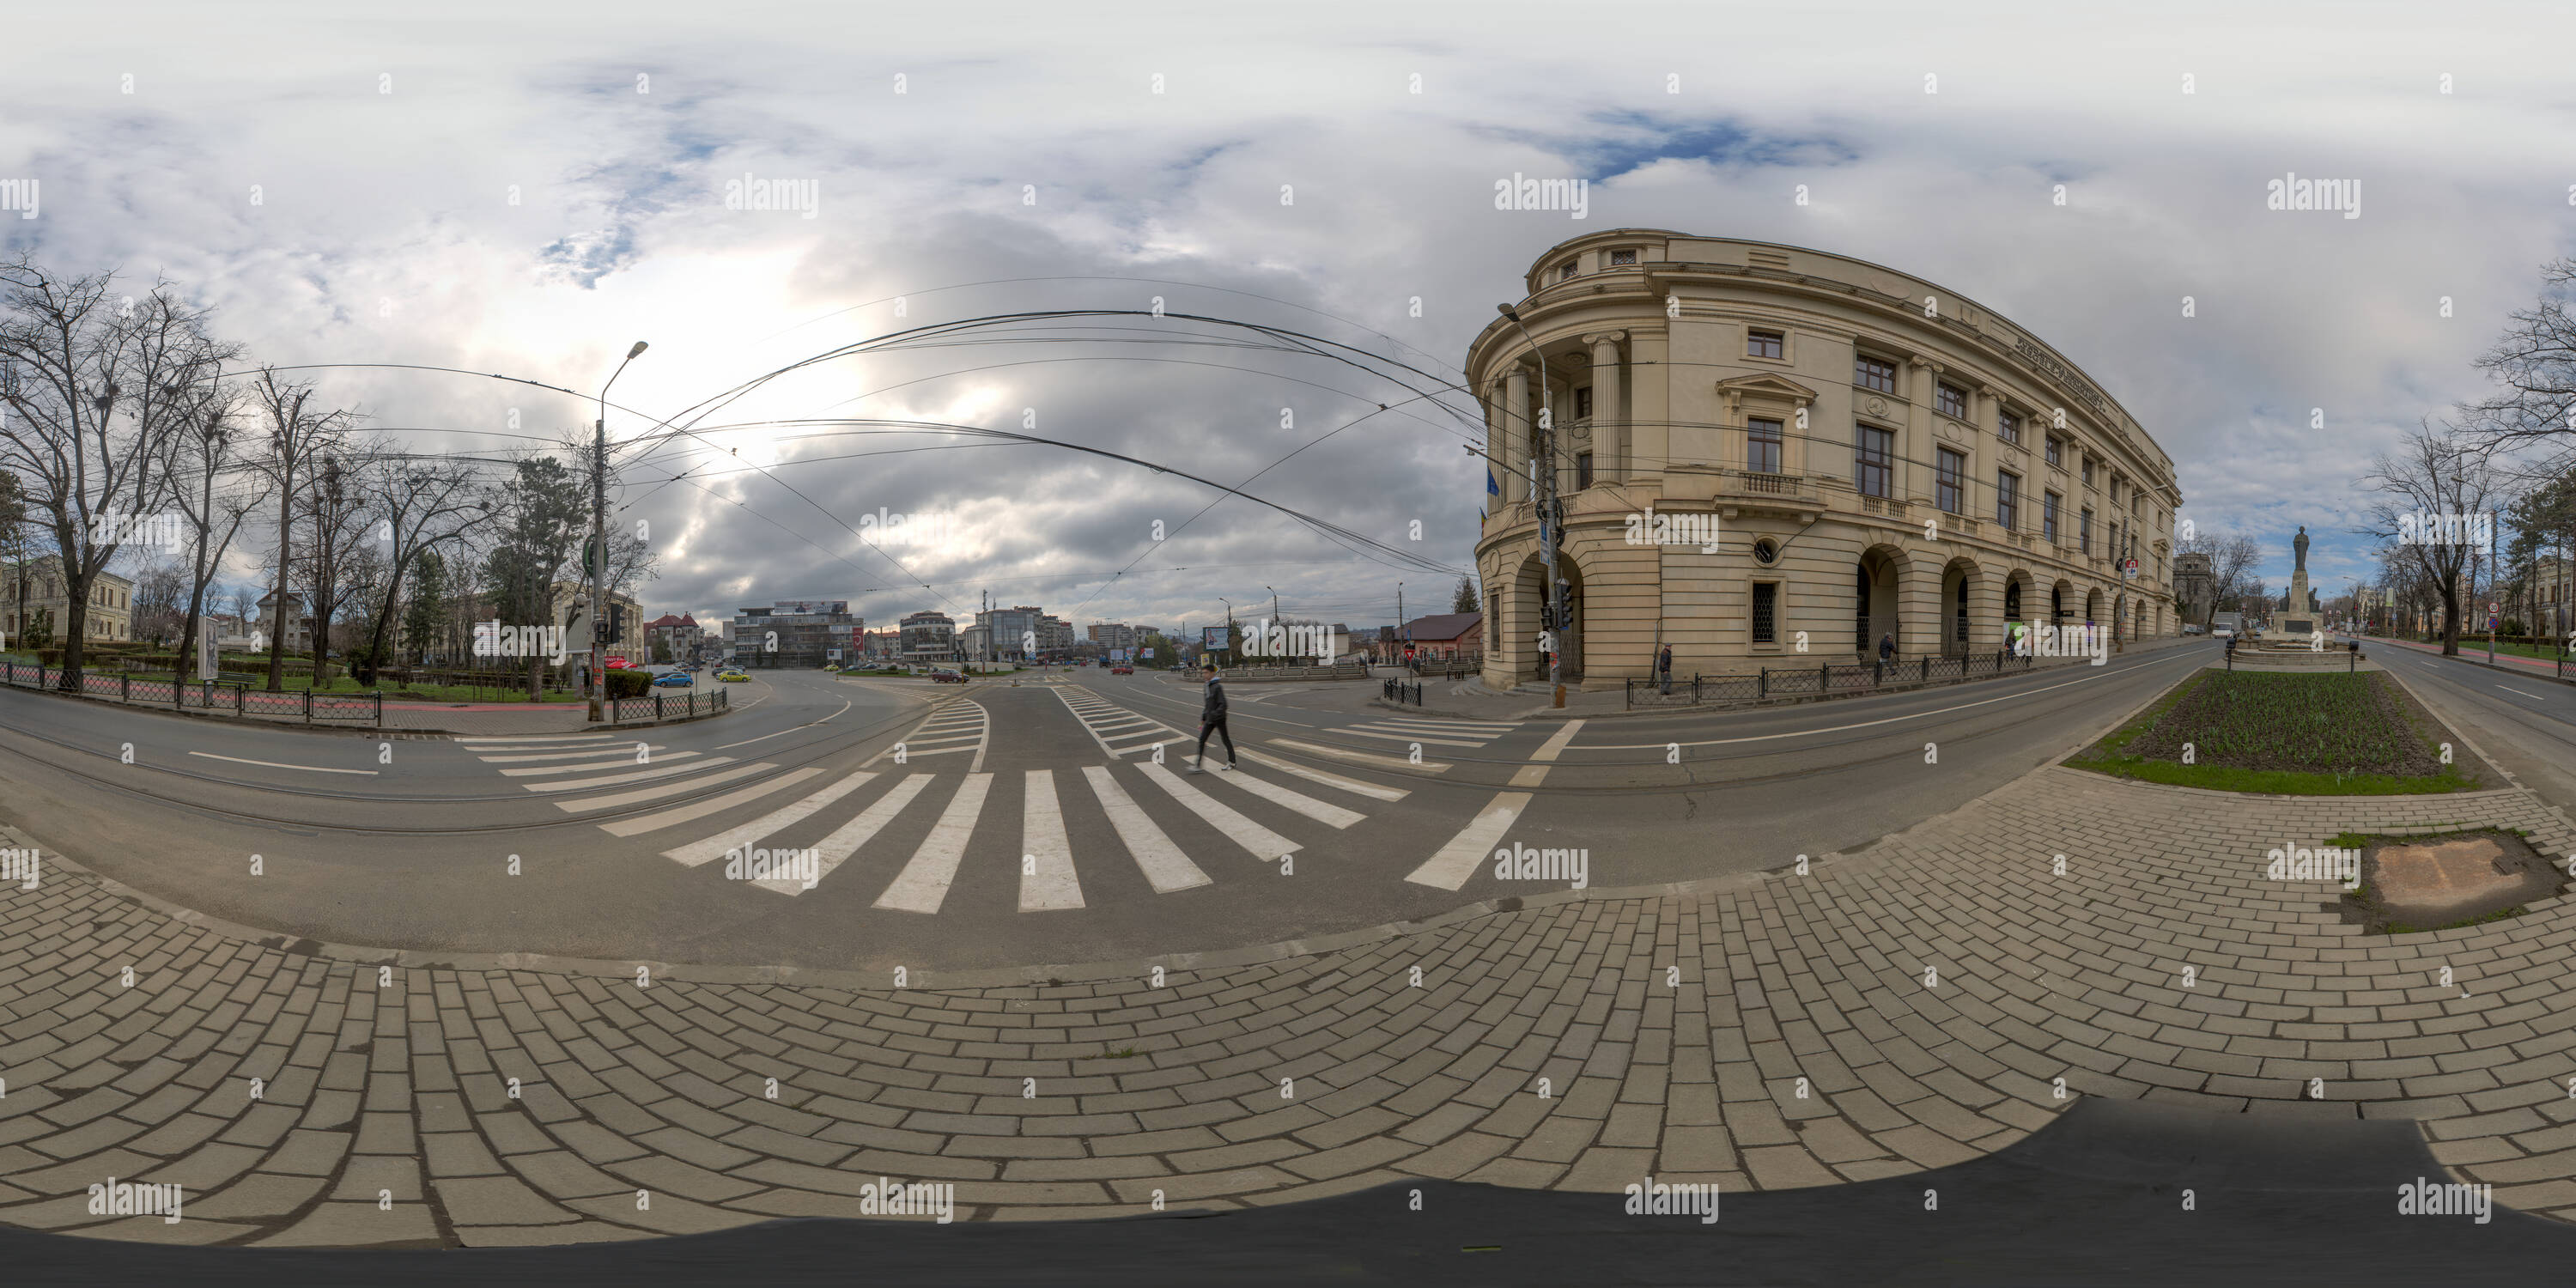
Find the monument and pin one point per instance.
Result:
(2299, 620)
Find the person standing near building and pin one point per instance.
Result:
(1212, 720)
(1664, 668)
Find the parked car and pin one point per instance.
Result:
(2193, 628)
(1122, 669)
(2223, 633)
(731, 676)
(674, 680)
(944, 676)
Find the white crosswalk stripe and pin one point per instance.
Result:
(1164, 866)
(751, 834)
(626, 758)
(658, 771)
(923, 884)
(1047, 862)
(1263, 843)
(1455, 862)
(1046, 879)
(1111, 725)
(621, 800)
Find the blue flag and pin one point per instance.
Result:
(1492, 488)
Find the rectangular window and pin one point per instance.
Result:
(1622, 258)
(1583, 471)
(2008, 427)
(1565, 272)
(1762, 446)
(1951, 401)
(1766, 612)
(1947, 484)
(2048, 516)
(1762, 344)
(2084, 531)
(2088, 471)
(2056, 453)
(1583, 402)
(1870, 460)
(1870, 373)
(2007, 499)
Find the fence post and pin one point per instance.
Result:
(380, 708)
(308, 702)
(1762, 682)
(125, 686)
(1824, 676)
(1927, 668)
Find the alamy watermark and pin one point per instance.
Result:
(2322, 863)
(2425, 528)
(128, 1198)
(804, 867)
(801, 196)
(926, 528)
(1518, 862)
(2432, 1198)
(19, 195)
(1266, 638)
(1677, 1198)
(2074, 639)
(492, 639)
(1651, 529)
(1521, 193)
(21, 865)
(886, 1196)
(118, 529)
(2295, 193)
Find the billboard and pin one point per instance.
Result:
(1212, 637)
(1117, 655)
(1144, 655)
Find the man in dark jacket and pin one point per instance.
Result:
(1664, 667)
(1212, 720)
(1887, 647)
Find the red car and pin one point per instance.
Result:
(1122, 669)
(946, 677)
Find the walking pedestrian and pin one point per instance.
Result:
(1664, 667)
(1887, 647)
(1212, 720)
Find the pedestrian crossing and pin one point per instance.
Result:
(1117, 729)
(924, 832)
(1430, 732)
(554, 764)
(956, 728)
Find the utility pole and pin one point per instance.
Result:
(1543, 448)
(596, 685)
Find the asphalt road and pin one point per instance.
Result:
(997, 824)
(2525, 723)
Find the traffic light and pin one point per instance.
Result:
(617, 621)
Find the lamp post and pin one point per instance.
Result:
(595, 684)
(1543, 447)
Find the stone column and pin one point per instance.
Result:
(1516, 433)
(1609, 429)
(1914, 475)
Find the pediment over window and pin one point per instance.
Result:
(1766, 385)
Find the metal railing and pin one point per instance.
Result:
(1404, 691)
(1825, 679)
(660, 706)
(239, 698)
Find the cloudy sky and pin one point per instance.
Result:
(526, 189)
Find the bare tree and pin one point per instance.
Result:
(94, 384)
(420, 506)
(2435, 474)
(338, 563)
(299, 436)
(215, 512)
(160, 588)
(2535, 362)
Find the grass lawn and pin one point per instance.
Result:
(2288, 735)
(2473, 646)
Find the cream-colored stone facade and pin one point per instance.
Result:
(111, 602)
(1904, 412)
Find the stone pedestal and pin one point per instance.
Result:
(2297, 622)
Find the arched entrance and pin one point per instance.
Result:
(2092, 606)
(1874, 581)
(1958, 585)
(2061, 603)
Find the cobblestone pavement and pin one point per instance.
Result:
(1901, 1009)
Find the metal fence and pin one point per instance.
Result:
(680, 706)
(205, 695)
(1825, 679)
(1404, 691)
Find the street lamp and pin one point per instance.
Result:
(595, 684)
(1547, 535)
